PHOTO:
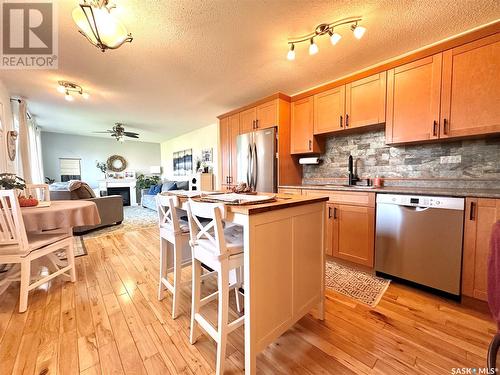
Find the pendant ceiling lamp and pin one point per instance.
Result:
(96, 22)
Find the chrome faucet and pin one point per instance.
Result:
(353, 178)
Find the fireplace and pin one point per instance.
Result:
(123, 191)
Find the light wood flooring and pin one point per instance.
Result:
(111, 322)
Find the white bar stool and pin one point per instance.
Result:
(222, 251)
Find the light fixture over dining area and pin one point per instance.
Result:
(96, 22)
(325, 29)
(71, 90)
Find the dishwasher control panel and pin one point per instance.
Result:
(450, 203)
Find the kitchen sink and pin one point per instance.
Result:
(351, 186)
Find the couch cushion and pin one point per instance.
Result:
(154, 189)
(168, 185)
(84, 191)
(182, 185)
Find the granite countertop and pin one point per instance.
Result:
(452, 192)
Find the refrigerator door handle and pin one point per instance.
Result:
(254, 166)
(249, 158)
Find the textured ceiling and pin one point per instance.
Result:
(192, 60)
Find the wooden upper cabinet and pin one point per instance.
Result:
(247, 120)
(471, 89)
(365, 101)
(267, 115)
(302, 139)
(413, 101)
(329, 110)
(225, 150)
(480, 215)
(234, 131)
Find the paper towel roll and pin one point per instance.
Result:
(312, 160)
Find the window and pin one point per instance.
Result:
(70, 169)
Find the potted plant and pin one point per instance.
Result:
(102, 167)
(9, 181)
(145, 182)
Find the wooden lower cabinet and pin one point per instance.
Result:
(353, 233)
(480, 215)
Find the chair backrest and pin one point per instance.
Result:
(209, 232)
(12, 230)
(38, 191)
(167, 213)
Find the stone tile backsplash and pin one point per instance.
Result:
(473, 163)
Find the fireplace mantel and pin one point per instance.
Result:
(121, 182)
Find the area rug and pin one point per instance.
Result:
(134, 218)
(361, 286)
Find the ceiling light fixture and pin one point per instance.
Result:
(291, 53)
(99, 26)
(313, 47)
(70, 89)
(326, 29)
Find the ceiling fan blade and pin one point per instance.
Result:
(106, 131)
(131, 136)
(130, 133)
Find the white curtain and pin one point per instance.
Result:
(30, 150)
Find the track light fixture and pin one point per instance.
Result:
(323, 29)
(70, 89)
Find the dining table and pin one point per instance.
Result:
(61, 216)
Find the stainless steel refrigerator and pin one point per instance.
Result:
(257, 160)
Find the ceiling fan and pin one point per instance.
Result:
(118, 131)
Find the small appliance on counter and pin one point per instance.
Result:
(419, 239)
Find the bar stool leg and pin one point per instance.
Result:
(195, 299)
(177, 278)
(237, 288)
(163, 266)
(223, 281)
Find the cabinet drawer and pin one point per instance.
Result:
(290, 191)
(344, 197)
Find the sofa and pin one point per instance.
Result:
(148, 196)
(110, 207)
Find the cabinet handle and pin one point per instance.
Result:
(434, 128)
(310, 145)
(472, 211)
(329, 212)
(256, 124)
(346, 120)
(335, 213)
(341, 122)
(253, 124)
(445, 126)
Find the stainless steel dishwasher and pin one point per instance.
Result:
(419, 238)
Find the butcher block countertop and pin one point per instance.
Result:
(452, 192)
(283, 201)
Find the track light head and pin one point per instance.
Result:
(313, 47)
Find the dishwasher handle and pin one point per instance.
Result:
(415, 208)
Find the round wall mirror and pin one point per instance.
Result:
(116, 163)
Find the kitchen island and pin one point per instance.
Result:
(284, 265)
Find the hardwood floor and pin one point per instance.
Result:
(111, 322)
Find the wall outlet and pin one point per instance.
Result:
(455, 159)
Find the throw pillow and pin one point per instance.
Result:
(151, 190)
(85, 191)
(156, 189)
(168, 185)
(182, 185)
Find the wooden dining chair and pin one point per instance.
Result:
(19, 247)
(38, 191)
(222, 251)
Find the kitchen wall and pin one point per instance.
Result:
(139, 155)
(203, 138)
(469, 163)
(6, 124)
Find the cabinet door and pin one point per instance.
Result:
(413, 101)
(267, 115)
(225, 151)
(234, 131)
(329, 110)
(365, 101)
(471, 89)
(353, 233)
(480, 215)
(329, 229)
(302, 139)
(247, 120)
